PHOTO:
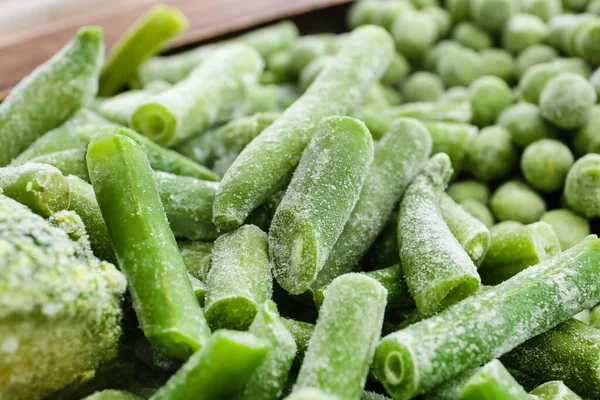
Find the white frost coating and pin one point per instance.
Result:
(494, 321)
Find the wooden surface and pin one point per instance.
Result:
(208, 19)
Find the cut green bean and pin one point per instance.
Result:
(220, 370)
(303, 233)
(197, 257)
(491, 154)
(437, 270)
(398, 158)
(515, 201)
(515, 248)
(469, 189)
(493, 382)
(489, 323)
(146, 249)
(266, 163)
(27, 113)
(554, 390)
(450, 390)
(569, 227)
(149, 35)
(351, 317)
(582, 192)
(206, 96)
(569, 352)
(302, 332)
(268, 380)
(471, 233)
(239, 280)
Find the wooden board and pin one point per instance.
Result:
(208, 19)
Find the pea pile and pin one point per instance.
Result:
(400, 211)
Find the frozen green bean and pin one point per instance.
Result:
(514, 248)
(491, 155)
(522, 31)
(545, 164)
(554, 390)
(582, 191)
(27, 113)
(569, 227)
(220, 370)
(149, 35)
(266, 163)
(384, 250)
(398, 158)
(308, 393)
(472, 234)
(450, 389)
(567, 100)
(169, 313)
(489, 323)
(493, 382)
(69, 162)
(239, 280)
(351, 316)
(303, 232)
(302, 332)
(489, 96)
(469, 189)
(437, 270)
(197, 257)
(525, 124)
(595, 317)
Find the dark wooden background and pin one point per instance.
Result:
(209, 19)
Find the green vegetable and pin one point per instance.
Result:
(479, 210)
(569, 227)
(491, 155)
(534, 55)
(554, 390)
(109, 394)
(523, 31)
(422, 86)
(493, 382)
(489, 96)
(525, 124)
(470, 35)
(414, 32)
(545, 164)
(492, 15)
(582, 192)
(566, 100)
(469, 189)
(197, 257)
(365, 12)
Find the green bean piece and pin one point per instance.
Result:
(491, 155)
(450, 389)
(110, 394)
(26, 114)
(587, 138)
(498, 62)
(459, 68)
(366, 12)
(373, 396)
(61, 308)
(197, 257)
(303, 232)
(522, 31)
(422, 86)
(493, 382)
(469, 189)
(119, 108)
(566, 100)
(169, 313)
(267, 41)
(414, 32)
(268, 380)
(308, 393)
(582, 191)
(489, 96)
(489, 323)
(220, 370)
(239, 280)
(472, 234)
(543, 9)
(479, 210)
(470, 35)
(69, 162)
(569, 352)
(188, 204)
(525, 124)
(535, 55)
(198, 288)
(554, 390)
(384, 251)
(148, 36)
(545, 164)
(569, 227)
(439, 281)
(398, 158)
(351, 316)
(492, 15)
(452, 139)
(302, 332)
(516, 201)
(203, 98)
(40, 187)
(266, 163)
(515, 248)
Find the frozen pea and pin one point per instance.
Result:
(586, 41)
(574, 65)
(422, 86)
(441, 17)
(595, 81)
(491, 155)
(469, 189)
(455, 94)
(307, 48)
(534, 80)
(534, 55)
(420, 4)
(543, 9)
(516, 201)
(452, 139)
(582, 186)
(525, 124)
(587, 138)
(375, 12)
(391, 95)
(545, 164)
(398, 69)
(563, 29)
(478, 210)
(595, 317)
(568, 226)
(489, 96)
(522, 31)
(492, 15)
(437, 52)
(414, 32)
(498, 62)
(566, 100)
(459, 67)
(574, 5)
(472, 36)
(593, 7)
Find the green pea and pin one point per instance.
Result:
(568, 226)
(441, 17)
(460, 10)
(566, 100)
(472, 36)
(489, 96)
(525, 124)
(587, 138)
(414, 32)
(586, 41)
(535, 79)
(593, 7)
(491, 155)
(422, 86)
(545, 164)
(460, 67)
(498, 62)
(534, 55)
(544, 9)
(479, 210)
(492, 15)
(574, 65)
(574, 5)
(437, 52)
(522, 31)
(469, 189)
(398, 69)
(455, 94)
(375, 12)
(582, 186)
(515, 201)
